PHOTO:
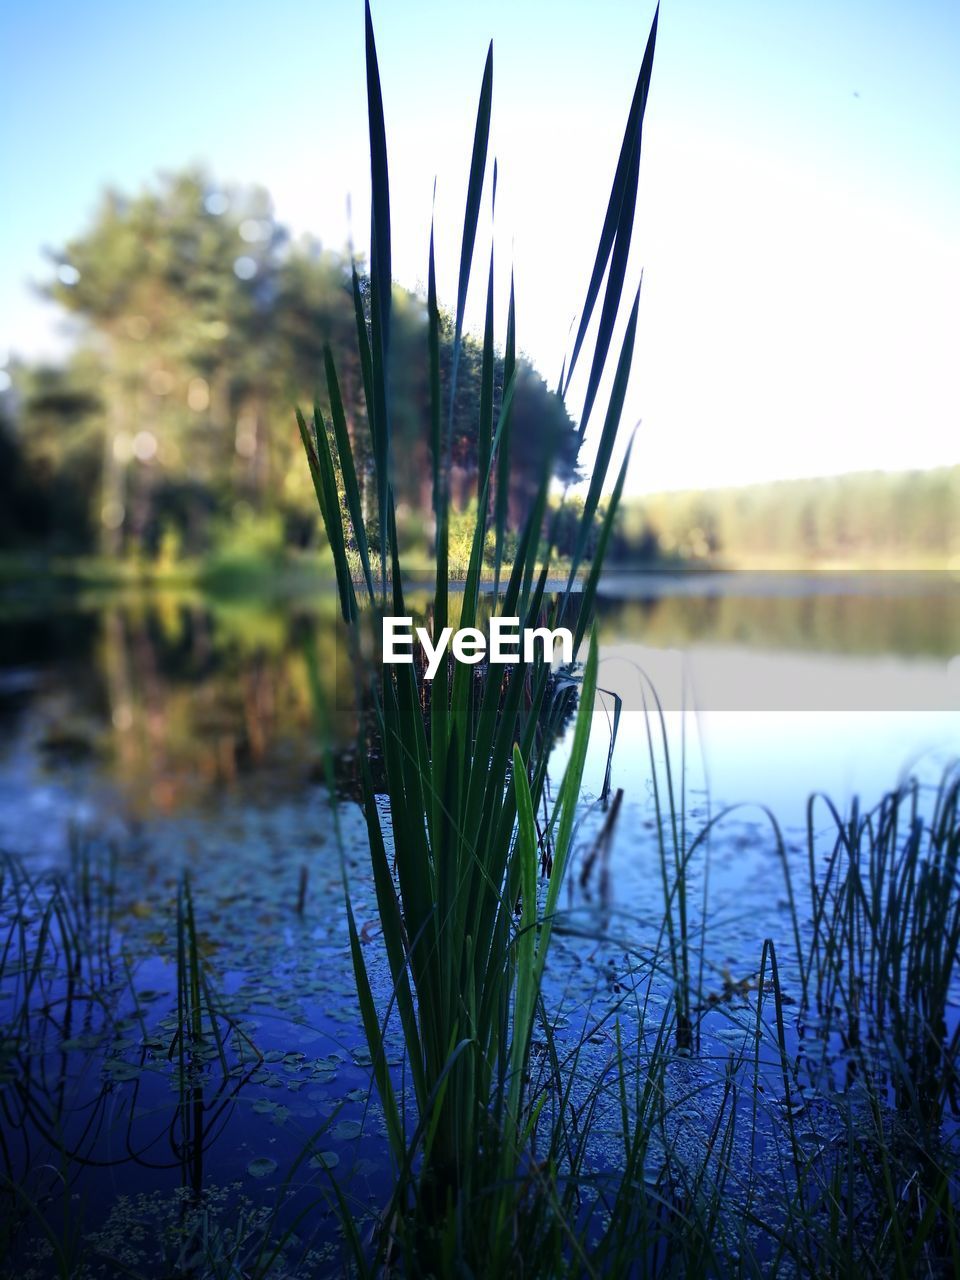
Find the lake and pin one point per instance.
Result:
(149, 734)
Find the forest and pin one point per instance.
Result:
(169, 432)
(865, 519)
(167, 440)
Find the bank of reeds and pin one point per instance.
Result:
(885, 935)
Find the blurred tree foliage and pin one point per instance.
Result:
(45, 485)
(203, 323)
(170, 431)
(868, 517)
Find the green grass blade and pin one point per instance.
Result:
(596, 567)
(363, 346)
(608, 437)
(568, 797)
(324, 483)
(478, 164)
(527, 855)
(622, 202)
(503, 451)
(347, 468)
(485, 431)
(381, 286)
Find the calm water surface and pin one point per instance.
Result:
(155, 706)
(145, 736)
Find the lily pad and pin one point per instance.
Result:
(325, 1160)
(346, 1130)
(88, 1041)
(121, 1070)
(261, 1167)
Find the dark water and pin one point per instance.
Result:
(144, 737)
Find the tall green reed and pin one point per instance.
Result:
(465, 931)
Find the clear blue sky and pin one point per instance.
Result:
(800, 190)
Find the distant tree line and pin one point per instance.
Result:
(864, 517)
(201, 325)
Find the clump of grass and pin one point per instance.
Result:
(203, 1032)
(885, 947)
(465, 930)
(66, 976)
(58, 958)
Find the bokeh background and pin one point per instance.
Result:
(187, 186)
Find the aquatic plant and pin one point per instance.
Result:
(740, 1157)
(885, 948)
(72, 1011)
(465, 931)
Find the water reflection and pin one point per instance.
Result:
(192, 723)
(908, 614)
(171, 700)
